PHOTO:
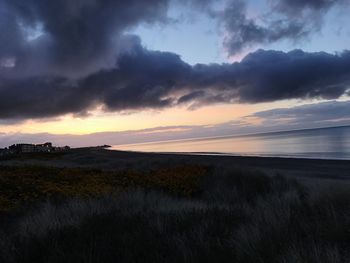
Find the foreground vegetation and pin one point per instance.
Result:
(187, 213)
(26, 184)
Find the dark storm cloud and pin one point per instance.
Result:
(275, 75)
(141, 79)
(71, 34)
(144, 79)
(265, 76)
(59, 57)
(38, 97)
(286, 19)
(243, 32)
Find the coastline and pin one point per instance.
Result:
(267, 133)
(258, 155)
(323, 143)
(97, 157)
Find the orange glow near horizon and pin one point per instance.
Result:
(102, 122)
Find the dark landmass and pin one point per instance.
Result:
(95, 205)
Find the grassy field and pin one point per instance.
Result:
(175, 213)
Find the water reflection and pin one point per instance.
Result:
(333, 143)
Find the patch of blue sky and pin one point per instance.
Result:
(194, 36)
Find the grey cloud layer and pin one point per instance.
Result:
(331, 112)
(294, 6)
(74, 37)
(152, 79)
(71, 34)
(59, 57)
(286, 19)
(243, 32)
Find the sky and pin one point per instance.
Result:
(113, 72)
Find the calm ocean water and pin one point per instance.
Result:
(325, 143)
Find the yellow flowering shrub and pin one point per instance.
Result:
(20, 184)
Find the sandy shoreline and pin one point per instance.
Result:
(112, 159)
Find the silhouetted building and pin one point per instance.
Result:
(32, 148)
(22, 148)
(46, 147)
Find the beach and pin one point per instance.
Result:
(92, 157)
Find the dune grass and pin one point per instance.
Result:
(180, 214)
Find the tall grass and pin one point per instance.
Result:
(231, 216)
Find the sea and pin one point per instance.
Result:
(320, 143)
